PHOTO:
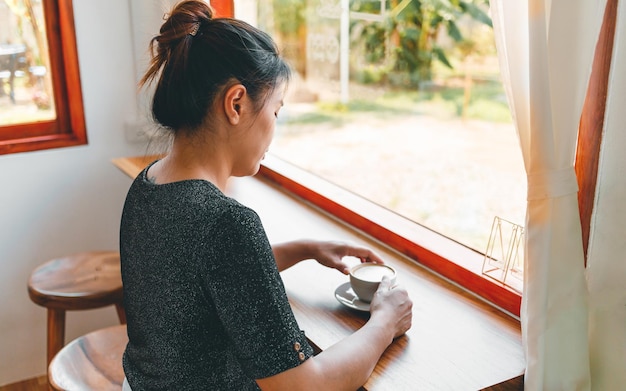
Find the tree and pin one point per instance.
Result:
(411, 30)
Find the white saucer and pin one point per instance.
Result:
(345, 295)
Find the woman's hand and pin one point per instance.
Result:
(331, 254)
(327, 253)
(347, 364)
(392, 306)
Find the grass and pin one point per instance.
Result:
(487, 102)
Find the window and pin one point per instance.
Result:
(41, 103)
(446, 256)
(401, 107)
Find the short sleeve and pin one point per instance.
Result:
(250, 299)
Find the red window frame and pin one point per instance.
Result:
(68, 129)
(446, 257)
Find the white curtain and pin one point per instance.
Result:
(606, 257)
(546, 50)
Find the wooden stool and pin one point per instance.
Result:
(76, 282)
(91, 362)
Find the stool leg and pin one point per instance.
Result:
(56, 335)
(121, 312)
(56, 332)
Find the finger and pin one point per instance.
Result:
(335, 263)
(385, 284)
(372, 260)
(366, 255)
(363, 253)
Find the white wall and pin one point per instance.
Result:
(67, 200)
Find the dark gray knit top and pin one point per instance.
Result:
(205, 304)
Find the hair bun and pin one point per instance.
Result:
(201, 9)
(187, 17)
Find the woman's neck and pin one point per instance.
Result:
(192, 159)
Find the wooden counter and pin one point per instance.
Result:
(457, 342)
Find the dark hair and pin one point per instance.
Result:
(195, 56)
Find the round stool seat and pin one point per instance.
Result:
(91, 362)
(78, 282)
(81, 281)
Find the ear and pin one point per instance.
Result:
(234, 103)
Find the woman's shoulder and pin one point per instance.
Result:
(234, 211)
(204, 198)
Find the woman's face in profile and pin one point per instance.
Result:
(256, 140)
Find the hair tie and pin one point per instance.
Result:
(195, 29)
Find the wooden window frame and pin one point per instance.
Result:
(591, 126)
(444, 256)
(68, 129)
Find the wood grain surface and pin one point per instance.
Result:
(91, 362)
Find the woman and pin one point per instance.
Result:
(205, 303)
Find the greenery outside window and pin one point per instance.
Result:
(41, 103)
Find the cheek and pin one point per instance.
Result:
(270, 125)
(272, 129)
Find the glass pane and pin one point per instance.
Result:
(25, 82)
(402, 103)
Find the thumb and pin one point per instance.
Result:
(385, 284)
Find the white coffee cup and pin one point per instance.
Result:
(366, 277)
